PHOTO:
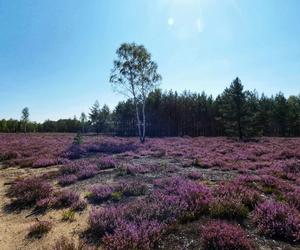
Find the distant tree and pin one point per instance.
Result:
(99, 117)
(104, 117)
(94, 116)
(293, 115)
(280, 114)
(25, 117)
(236, 116)
(83, 120)
(135, 75)
(264, 115)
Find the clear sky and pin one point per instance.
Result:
(56, 55)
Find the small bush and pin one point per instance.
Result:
(75, 152)
(38, 229)
(44, 162)
(277, 220)
(100, 193)
(65, 198)
(293, 198)
(45, 203)
(66, 244)
(107, 162)
(129, 235)
(77, 139)
(217, 235)
(103, 220)
(68, 215)
(116, 196)
(87, 172)
(79, 205)
(66, 180)
(29, 191)
(228, 209)
(134, 188)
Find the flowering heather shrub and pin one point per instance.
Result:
(223, 236)
(70, 168)
(87, 172)
(107, 162)
(164, 208)
(128, 235)
(45, 203)
(66, 180)
(44, 162)
(194, 197)
(293, 198)
(65, 198)
(232, 200)
(277, 220)
(100, 193)
(103, 220)
(75, 152)
(28, 191)
(39, 228)
(233, 190)
(133, 188)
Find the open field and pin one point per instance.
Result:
(168, 193)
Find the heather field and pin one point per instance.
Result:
(96, 192)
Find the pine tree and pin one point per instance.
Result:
(235, 113)
(95, 116)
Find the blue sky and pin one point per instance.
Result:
(56, 56)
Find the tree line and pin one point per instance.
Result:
(235, 112)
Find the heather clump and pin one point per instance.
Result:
(224, 236)
(194, 198)
(103, 192)
(132, 188)
(128, 235)
(65, 198)
(87, 172)
(44, 162)
(277, 220)
(107, 163)
(103, 220)
(100, 193)
(68, 179)
(233, 201)
(293, 197)
(29, 190)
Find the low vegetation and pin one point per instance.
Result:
(230, 194)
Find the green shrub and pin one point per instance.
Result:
(116, 196)
(68, 215)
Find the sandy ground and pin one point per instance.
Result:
(14, 224)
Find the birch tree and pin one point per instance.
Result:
(25, 118)
(135, 75)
